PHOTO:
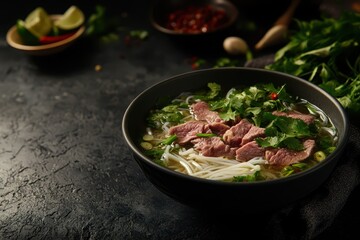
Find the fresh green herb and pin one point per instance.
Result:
(168, 113)
(226, 62)
(326, 142)
(294, 168)
(140, 34)
(97, 23)
(326, 52)
(106, 27)
(248, 178)
(211, 93)
(214, 90)
(285, 132)
(250, 102)
(160, 162)
(154, 153)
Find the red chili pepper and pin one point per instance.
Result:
(274, 96)
(52, 39)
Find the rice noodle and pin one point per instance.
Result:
(215, 168)
(165, 127)
(149, 131)
(188, 99)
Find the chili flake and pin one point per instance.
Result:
(196, 19)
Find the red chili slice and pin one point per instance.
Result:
(52, 39)
(274, 96)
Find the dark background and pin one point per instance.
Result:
(65, 171)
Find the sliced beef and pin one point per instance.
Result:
(307, 118)
(232, 122)
(187, 131)
(234, 135)
(253, 133)
(218, 128)
(237, 141)
(213, 147)
(249, 151)
(285, 156)
(270, 152)
(202, 112)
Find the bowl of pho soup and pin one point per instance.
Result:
(228, 138)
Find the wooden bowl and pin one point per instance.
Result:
(14, 40)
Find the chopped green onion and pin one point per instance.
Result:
(148, 137)
(206, 135)
(169, 140)
(319, 156)
(146, 145)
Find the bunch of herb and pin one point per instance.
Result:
(326, 52)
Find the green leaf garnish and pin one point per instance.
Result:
(294, 168)
(285, 132)
(248, 178)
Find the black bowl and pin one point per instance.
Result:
(162, 9)
(245, 197)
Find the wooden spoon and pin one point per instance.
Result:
(277, 33)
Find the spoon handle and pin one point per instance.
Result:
(286, 17)
(277, 33)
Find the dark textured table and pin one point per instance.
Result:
(65, 171)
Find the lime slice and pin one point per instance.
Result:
(71, 19)
(26, 36)
(38, 22)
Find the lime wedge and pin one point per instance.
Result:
(38, 22)
(71, 19)
(26, 36)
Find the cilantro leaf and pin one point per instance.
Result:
(285, 132)
(168, 113)
(211, 93)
